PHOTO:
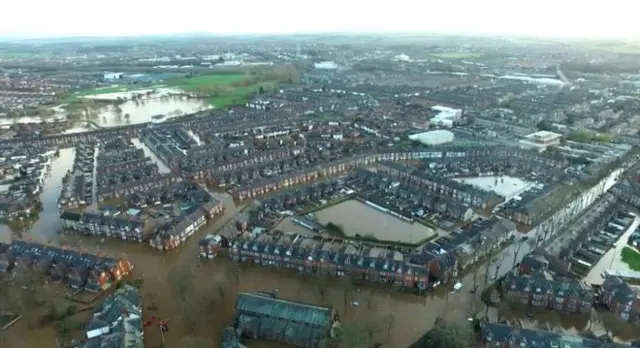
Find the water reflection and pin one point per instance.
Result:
(134, 112)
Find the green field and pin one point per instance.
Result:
(631, 258)
(230, 89)
(457, 55)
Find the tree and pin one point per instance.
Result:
(446, 334)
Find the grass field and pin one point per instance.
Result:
(231, 90)
(457, 55)
(631, 258)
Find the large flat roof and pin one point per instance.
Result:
(543, 135)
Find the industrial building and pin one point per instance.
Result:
(540, 140)
(436, 137)
(262, 315)
(446, 116)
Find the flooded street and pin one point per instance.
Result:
(412, 314)
(162, 167)
(612, 259)
(357, 218)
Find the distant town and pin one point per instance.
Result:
(319, 191)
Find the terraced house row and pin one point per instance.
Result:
(541, 290)
(332, 257)
(80, 271)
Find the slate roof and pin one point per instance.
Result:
(291, 321)
(122, 304)
(494, 332)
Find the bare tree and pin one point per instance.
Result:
(516, 251)
(446, 334)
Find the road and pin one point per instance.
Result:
(562, 76)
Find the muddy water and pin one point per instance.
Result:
(162, 167)
(142, 111)
(358, 218)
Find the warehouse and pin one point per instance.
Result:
(436, 137)
(263, 316)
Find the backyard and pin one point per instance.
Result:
(631, 257)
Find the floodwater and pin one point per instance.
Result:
(139, 112)
(162, 167)
(142, 111)
(46, 227)
(612, 259)
(358, 218)
(400, 318)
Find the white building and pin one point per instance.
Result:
(540, 140)
(446, 116)
(326, 65)
(436, 137)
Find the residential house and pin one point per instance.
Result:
(496, 335)
(540, 290)
(621, 298)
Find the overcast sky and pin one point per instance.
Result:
(556, 18)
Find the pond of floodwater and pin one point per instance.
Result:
(142, 111)
(129, 112)
(357, 218)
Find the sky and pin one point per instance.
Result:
(552, 18)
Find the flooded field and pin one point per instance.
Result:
(612, 259)
(357, 218)
(142, 111)
(129, 112)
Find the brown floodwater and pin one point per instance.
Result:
(357, 218)
(412, 314)
(400, 318)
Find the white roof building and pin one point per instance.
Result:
(436, 137)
